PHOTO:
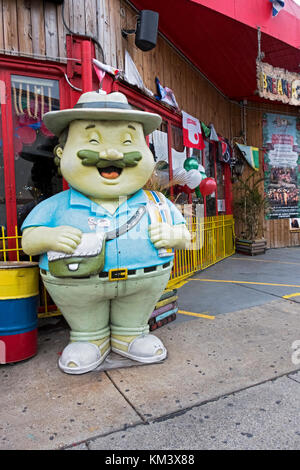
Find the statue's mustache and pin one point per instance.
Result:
(92, 158)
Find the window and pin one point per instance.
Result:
(36, 176)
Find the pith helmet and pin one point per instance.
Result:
(101, 106)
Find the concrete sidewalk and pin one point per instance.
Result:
(238, 355)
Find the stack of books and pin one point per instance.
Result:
(165, 310)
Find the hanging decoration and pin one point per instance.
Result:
(101, 70)
(27, 107)
(213, 135)
(31, 99)
(192, 134)
(225, 152)
(277, 6)
(165, 94)
(133, 76)
(206, 130)
(251, 155)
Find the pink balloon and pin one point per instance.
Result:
(208, 186)
(26, 134)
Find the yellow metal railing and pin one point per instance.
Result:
(11, 244)
(213, 240)
(11, 249)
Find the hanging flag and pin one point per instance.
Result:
(251, 155)
(192, 135)
(100, 74)
(133, 76)
(165, 94)
(277, 5)
(225, 151)
(213, 135)
(101, 70)
(205, 129)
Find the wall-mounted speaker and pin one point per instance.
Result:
(146, 30)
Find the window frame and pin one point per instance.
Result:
(36, 69)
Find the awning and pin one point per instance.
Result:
(220, 38)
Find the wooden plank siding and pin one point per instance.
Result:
(10, 25)
(24, 26)
(35, 27)
(1, 28)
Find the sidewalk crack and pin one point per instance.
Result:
(144, 420)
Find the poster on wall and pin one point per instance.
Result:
(281, 142)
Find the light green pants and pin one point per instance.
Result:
(96, 307)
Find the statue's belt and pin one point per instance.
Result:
(89, 257)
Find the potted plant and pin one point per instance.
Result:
(250, 208)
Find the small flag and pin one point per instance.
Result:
(101, 70)
(213, 135)
(192, 135)
(165, 94)
(205, 129)
(277, 5)
(225, 154)
(251, 155)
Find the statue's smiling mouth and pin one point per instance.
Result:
(109, 169)
(110, 172)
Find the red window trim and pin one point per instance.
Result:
(31, 68)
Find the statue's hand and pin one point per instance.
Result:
(64, 238)
(169, 236)
(37, 240)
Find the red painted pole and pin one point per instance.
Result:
(216, 174)
(228, 189)
(170, 159)
(86, 65)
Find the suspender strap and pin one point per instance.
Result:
(128, 226)
(159, 210)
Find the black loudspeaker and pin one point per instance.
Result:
(146, 30)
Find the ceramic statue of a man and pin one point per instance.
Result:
(105, 245)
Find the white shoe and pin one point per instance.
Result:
(81, 357)
(144, 348)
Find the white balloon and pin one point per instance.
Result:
(193, 179)
(180, 176)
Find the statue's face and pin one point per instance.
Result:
(106, 159)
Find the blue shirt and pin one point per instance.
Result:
(131, 250)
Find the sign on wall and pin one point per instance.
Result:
(281, 141)
(278, 84)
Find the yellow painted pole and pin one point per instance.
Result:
(224, 237)
(3, 243)
(17, 243)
